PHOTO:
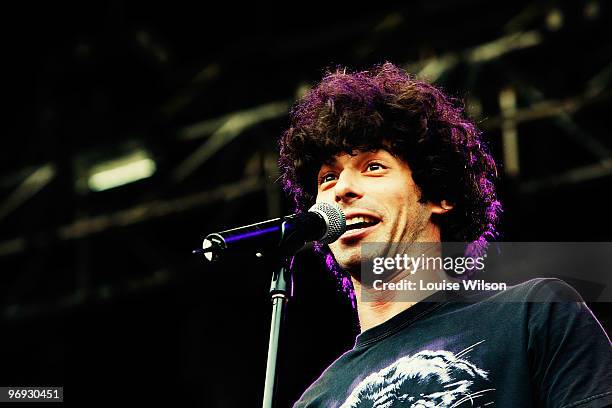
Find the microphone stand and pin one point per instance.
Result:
(281, 289)
(295, 231)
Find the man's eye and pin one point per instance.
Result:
(326, 177)
(375, 166)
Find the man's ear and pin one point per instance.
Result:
(444, 207)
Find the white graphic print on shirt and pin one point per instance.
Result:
(426, 379)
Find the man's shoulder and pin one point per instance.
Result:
(529, 301)
(534, 290)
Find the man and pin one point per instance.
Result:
(406, 166)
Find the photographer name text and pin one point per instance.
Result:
(408, 285)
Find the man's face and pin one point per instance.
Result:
(381, 202)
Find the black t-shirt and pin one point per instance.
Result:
(500, 351)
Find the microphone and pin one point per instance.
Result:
(323, 222)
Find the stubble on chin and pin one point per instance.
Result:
(348, 260)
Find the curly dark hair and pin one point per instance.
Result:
(386, 108)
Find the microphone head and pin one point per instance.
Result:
(334, 219)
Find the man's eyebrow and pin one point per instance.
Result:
(331, 162)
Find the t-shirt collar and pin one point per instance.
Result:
(402, 319)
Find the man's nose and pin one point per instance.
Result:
(347, 187)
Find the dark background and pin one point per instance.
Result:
(100, 293)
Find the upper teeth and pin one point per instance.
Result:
(358, 219)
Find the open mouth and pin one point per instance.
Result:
(358, 226)
(360, 222)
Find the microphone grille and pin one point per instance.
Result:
(334, 218)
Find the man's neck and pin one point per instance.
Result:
(376, 307)
(373, 313)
